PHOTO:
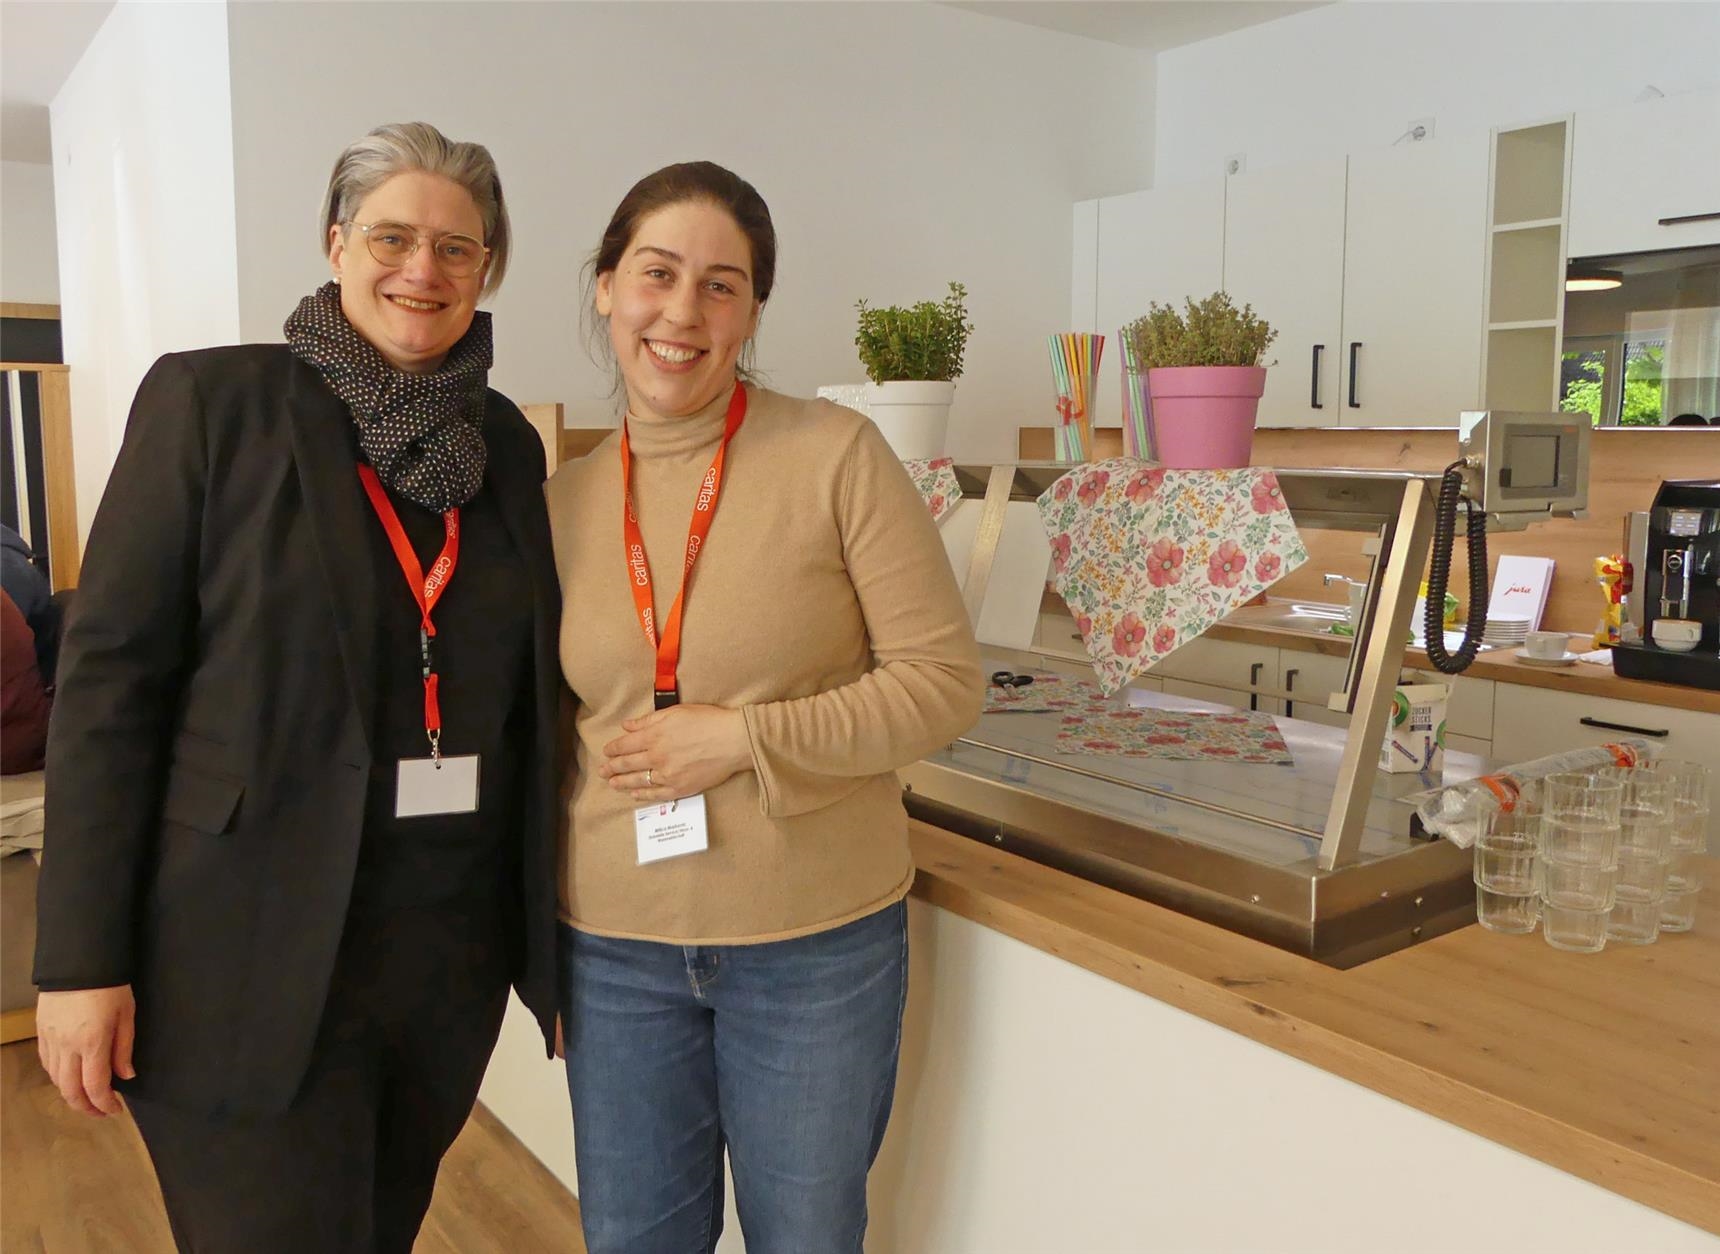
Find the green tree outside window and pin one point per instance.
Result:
(1642, 386)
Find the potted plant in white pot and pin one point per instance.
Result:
(1204, 380)
(913, 357)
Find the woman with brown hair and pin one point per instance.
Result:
(766, 627)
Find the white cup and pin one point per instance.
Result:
(1681, 635)
(1548, 645)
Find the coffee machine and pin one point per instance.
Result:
(1675, 589)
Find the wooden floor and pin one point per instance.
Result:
(70, 1184)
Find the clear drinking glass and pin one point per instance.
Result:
(1641, 887)
(1506, 912)
(1580, 818)
(1689, 827)
(1678, 911)
(1683, 875)
(1581, 792)
(1635, 917)
(1690, 802)
(1577, 885)
(1642, 871)
(1506, 853)
(1579, 931)
(1645, 811)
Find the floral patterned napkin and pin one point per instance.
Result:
(1148, 558)
(936, 479)
(1151, 733)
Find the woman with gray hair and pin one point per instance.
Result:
(300, 781)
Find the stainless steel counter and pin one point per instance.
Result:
(1234, 843)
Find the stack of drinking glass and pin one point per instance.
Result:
(1595, 856)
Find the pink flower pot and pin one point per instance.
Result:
(1203, 416)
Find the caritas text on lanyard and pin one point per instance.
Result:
(664, 688)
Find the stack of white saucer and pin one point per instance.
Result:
(1505, 631)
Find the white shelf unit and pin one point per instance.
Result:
(1527, 324)
(1528, 207)
(1533, 224)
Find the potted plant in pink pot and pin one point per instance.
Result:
(1204, 380)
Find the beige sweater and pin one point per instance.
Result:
(823, 606)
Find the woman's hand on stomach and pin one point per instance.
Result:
(678, 752)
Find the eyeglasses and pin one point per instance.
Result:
(393, 244)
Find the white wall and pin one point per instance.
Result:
(1348, 77)
(28, 274)
(898, 145)
(1041, 1107)
(143, 181)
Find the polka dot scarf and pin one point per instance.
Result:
(422, 432)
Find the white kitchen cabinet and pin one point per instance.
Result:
(1284, 254)
(1633, 166)
(1311, 678)
(1084, 267)
(1224, 671)
(1533, 722)
(1469, 713)
(1467, 744)
(1207, 692)
(1414, 254)
(1370, 267)
(1162, 245)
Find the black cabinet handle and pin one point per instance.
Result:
(1290, 686)
(1314, 379)
(1355, 352)
(1253, 680)
(1659, 733)
(1689, 217)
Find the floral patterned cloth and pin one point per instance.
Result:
(936, 479)
(1150, 733)
(1148, 558)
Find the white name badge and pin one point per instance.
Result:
(670, 829)
(424, 786)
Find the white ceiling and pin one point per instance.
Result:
(1152, 25)
(40, 42)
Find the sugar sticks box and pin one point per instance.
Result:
(1415, 738)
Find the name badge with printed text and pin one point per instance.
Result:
(670, 829)
(423, 788)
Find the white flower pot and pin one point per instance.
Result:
(912, 416)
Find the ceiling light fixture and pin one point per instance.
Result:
(1584, 278)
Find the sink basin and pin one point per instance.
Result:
(1318, 620)
(1311, 617)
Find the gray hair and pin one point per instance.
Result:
(401, 147)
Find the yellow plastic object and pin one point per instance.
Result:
(1610, 573)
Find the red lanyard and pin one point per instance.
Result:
(426, 589)
(668, 645)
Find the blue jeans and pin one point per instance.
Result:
(784, 1052)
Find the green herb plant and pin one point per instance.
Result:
(922, 343)
(1212, 332)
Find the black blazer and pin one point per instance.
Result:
(211, 738)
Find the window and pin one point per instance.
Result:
(1647, 350)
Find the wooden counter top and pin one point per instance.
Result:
(1501, 664)
(1606, 1066)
